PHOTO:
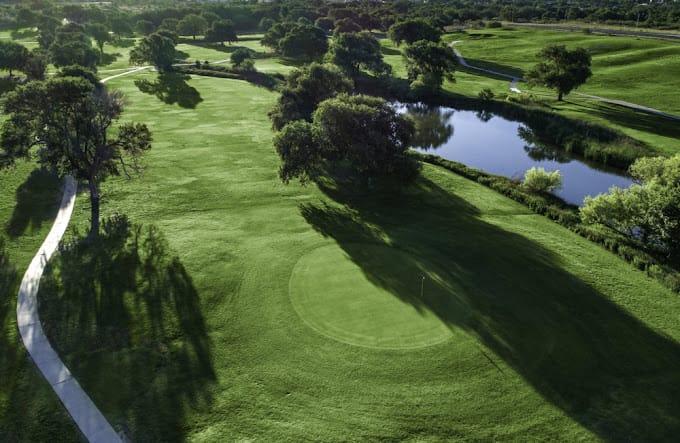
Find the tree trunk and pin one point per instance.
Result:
(94, 208)
(559, 96)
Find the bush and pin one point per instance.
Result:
(540, 180)
(494, 24)
(486, 94)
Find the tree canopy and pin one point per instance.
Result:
(193, 25)
(429, 63)
(70, 120)
(72, 46)
(304, 41)
(221, 31)
(363, 133)
(413, 30)
(305, 88)
(13, 56)
(356, 51)
(561, 69)
(156, 49)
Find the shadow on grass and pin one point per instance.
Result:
(36, 202)
(485, 64)
(584, 354)
(124, 314)
(389, 51)
(171, 88)
(639, 120)
(106, 58)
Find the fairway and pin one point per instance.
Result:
(288, 312)
(336, 298)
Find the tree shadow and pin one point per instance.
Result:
(171, 88)
(106, 58)
(583, 353)
(389, 51)
(124, 314)
(36, 200)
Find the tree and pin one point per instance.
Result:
(221, 31)
(36, 65)
(155, 49)
(241, 55)
(210, 17)
(192, 25)
(305, 88)
(304, 41)
(72, 46)
(413, 30)
(275, 33)
(171, 24)
(12, 56)
(365, 133)
(353, 52)
(25, 18)
(429, 63)
(265, 24)
(145, 27)
(325, 23)
(100, 34)
(649, 210)
(121, 26)
(69, 119)
(47, 29)
(561, 69)
(346, 25)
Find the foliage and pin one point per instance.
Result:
(413, 30)
(365, 133)
(303, 41)
(100, 34)
(486, 94)
(305, 88)
(354, 52)
(69, 119)
(72, 46)
(429, 63)
(275, 33)
(192, 25)
(325, 23)
(80, 72)
(221, 31)
(346, 25)
(36, 65)
(240, 55)
(145, 27)
(12, 56)
(155, 49)
(649, 210)
(539, 180)
(561, 69)
(265, 24)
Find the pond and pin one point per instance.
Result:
(499, 146)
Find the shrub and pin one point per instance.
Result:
(486, 94)
(540, 180)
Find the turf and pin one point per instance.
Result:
(197, 336)
(29, 411)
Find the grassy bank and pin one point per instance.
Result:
(509, 325)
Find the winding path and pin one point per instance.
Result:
(84, 412)
(514, 80)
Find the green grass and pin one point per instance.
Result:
(29, 410)
(199, 336)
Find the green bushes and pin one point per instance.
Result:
(568, 216)
(540, 180)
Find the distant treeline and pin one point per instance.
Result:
(367, 14)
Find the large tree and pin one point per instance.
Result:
(221, 31)
(304, 41)
(69, 120)
(649, 210)
(561, 69)
(192, 25)
(354, 52)
(413, 30)
(100, 34)
(305, 88)
(12, 56)
(429, 63)
(72, 46)
(156, 49)
(363, 133)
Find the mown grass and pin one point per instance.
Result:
(197, 338)
(29, 410)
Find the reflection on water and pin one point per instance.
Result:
(493, 144)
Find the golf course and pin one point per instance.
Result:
(223, 301)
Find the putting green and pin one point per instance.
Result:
(376, 303)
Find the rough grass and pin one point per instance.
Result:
(198, 339)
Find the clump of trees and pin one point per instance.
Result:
(72, 46)
(242, 59)
(561, 69)
(221, 31)
(305, 88)
(413, 30)
(539, 180)
(362, 133)
(428, 64)
(297, 40)
(68, 120)
(354, 52)
(649, 210)
(193, 25)
(15, 57)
